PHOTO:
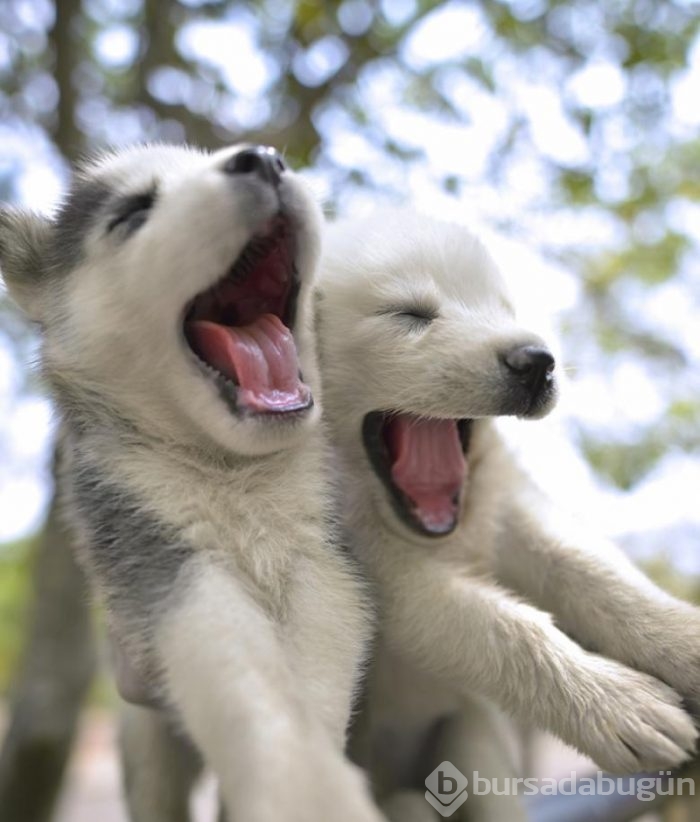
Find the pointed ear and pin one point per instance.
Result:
(24, 239)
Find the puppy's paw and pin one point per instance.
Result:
(632, 721)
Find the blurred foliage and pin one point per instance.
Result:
(664, 572)
(590, 116)
(15, 562)
(623, 463)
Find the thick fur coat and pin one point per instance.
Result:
(491, 601)
(198, 494)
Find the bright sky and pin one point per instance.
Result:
(615, 401)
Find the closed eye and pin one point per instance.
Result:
(416, 315)
(131, 212)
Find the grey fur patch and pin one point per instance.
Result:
(136, 557)
(80, 211)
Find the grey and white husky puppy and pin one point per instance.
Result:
(419, 351)
(172, 289)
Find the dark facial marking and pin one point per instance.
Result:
(79, 213)
(131, 212)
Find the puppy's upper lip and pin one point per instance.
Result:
(240, 327)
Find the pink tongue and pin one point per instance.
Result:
(428, 466)
(260, 357)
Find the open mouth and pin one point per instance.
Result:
(240, 328)
(423, 464)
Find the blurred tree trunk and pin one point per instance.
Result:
(59, 656)
(53, 678)
(67, 135)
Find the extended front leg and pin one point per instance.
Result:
(227, 673)
(598, 596)
(481, 640)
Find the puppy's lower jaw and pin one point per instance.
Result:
(260, 358)
(423, 465)
(240, 328)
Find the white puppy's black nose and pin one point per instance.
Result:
(262, 161)
(531, 365)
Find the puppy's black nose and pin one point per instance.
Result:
(531, 365)
(262, 161)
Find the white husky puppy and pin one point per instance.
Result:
(172, 289)
(419, 350)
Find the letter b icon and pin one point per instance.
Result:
(447, 789)
(447, 785)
